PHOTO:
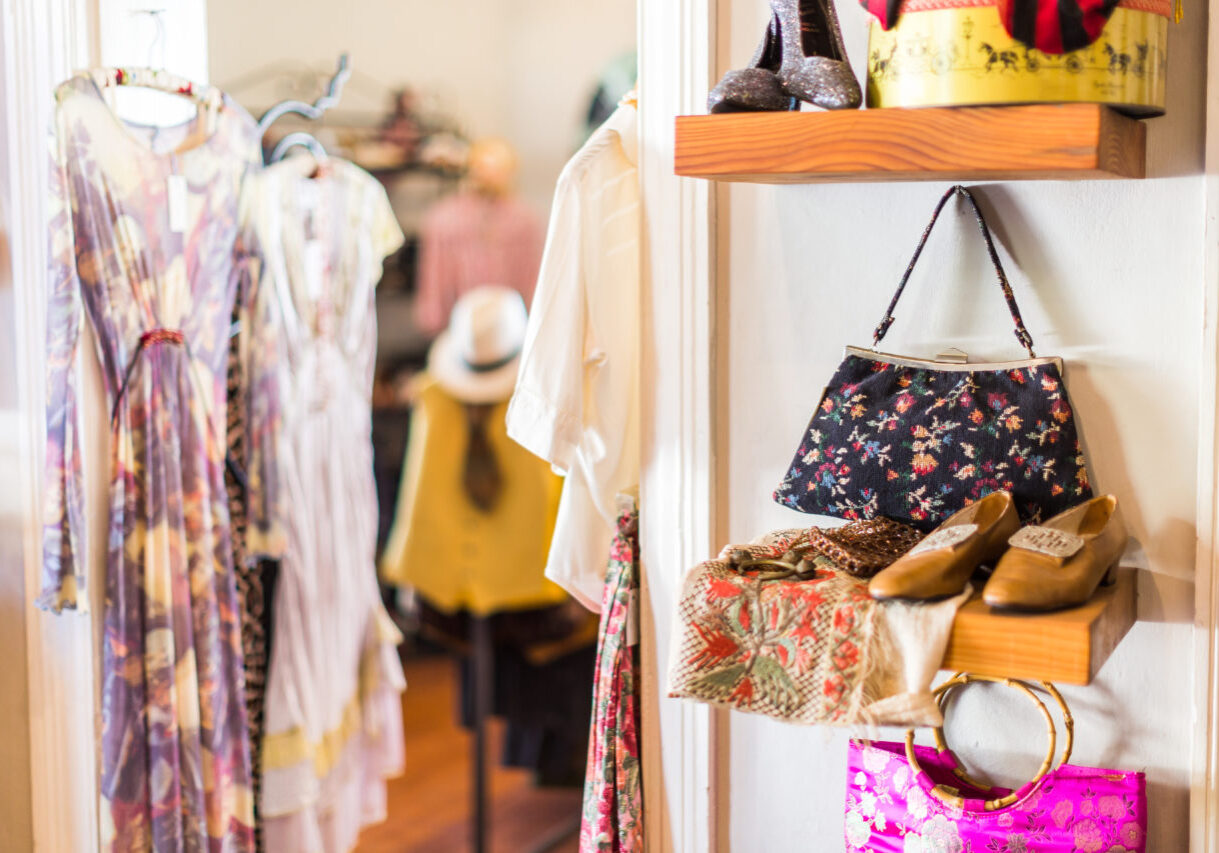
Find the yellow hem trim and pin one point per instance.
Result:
(292, 747)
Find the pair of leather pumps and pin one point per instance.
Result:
(1049, 566)
(801, 58)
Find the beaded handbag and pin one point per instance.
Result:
(916, 439)
(863, 548)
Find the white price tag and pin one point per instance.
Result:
(176, 191)
(308, 195)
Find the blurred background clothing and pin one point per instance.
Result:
(470, 239)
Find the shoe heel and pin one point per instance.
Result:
(1110, 577)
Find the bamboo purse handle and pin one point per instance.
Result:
(950, 796)
(1068, 726)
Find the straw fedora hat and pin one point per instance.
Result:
(476, 358)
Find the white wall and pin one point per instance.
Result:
(523, 69)
(1109, 275)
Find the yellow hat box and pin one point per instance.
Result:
(962, 56)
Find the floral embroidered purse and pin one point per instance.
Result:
(916, 440)
(903, 798)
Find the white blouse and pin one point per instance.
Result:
(576, 402)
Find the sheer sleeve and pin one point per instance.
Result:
(385, 237)
(386, 233)
(64, 554)
(260, 353)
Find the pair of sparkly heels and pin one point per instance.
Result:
(801, 58)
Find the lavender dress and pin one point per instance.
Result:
(158, 290)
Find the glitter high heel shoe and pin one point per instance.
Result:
(814, 66)
(756, 88)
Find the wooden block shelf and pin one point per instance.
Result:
(1064, 141)
(1069, 646)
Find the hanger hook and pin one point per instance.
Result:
(160, 36)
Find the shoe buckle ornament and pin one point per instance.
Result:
(1047, 540)
(945, 537)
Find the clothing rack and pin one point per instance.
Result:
(482, 664)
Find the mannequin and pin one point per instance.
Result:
(470, 537)
(483, 233)
(492, 168)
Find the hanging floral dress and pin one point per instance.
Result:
(333, 729)
(144, 244)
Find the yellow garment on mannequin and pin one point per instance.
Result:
(454, 554)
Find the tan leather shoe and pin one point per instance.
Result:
(1061, 562)
(940, 565)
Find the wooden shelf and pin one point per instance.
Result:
(1065, 141)
(1069, 646)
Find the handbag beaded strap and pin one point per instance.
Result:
(1022, 334)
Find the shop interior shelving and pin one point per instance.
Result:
(1068, 646)
(1064, 142)
(1034, 142)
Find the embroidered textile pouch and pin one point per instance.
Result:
(812, 651)
(916, 440)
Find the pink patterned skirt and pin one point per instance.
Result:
(613, 793)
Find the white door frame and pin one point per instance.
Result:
(43, 41)
(678, 388)
(1204, 799)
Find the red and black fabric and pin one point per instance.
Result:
(1055, 26)
(886, 11)
(1051, 26)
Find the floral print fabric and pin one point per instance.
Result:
(917, 444)
(613, 792)
(790, 649)
(159, 294)
(890, 809)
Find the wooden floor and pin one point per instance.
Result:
(429, 806)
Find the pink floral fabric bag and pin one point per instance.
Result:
(903, 798)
